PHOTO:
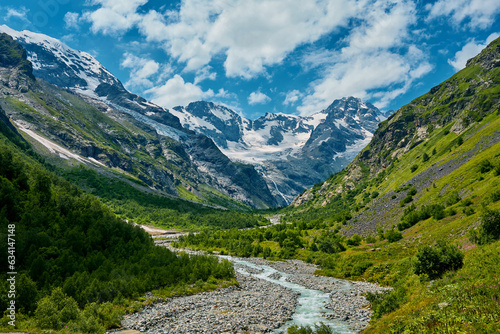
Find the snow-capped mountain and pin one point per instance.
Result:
(173, 160)
(275, 136)
(291, 152)
(59, 64)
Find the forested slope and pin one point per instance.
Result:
(77, 264)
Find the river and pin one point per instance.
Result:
(271, 296)
(311, 304)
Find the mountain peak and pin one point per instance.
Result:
(488, 58)
(13, 55)
(50, 57)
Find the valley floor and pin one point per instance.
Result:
(257, 305)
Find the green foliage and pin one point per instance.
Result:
(386, 301)
(144, 208)
(433, 261)
(485, 166)
(412, 216)
(489, 229)
(71, 251)
(318, 329)
(495, 196)
(330, 243)
(453, 199)
(56, 310)
(393, 236)
(355, 240)
(425, 157)
(413, 168)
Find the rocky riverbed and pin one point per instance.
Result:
(257, 305)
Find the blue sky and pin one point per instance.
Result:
(259, 56)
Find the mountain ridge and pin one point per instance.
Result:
(116, 132)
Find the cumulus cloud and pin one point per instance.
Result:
(141, 70)
(205, 73)
(72, 20)
(236, 29)
(114, 16)
(177, 92)
(17, 13)
(258, 98)
(468, 51)
(476, 13)
(377, 56)
(292, 97)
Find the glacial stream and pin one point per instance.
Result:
(311, 303)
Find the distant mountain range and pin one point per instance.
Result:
(264, 162)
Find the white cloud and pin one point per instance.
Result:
(17, 13)
(71, 20)
(141, 70)
(114, 16)
(468, 51)
(177, 92)
(292, 97)
(258, 98)
(373, 59)
(205, 73)
(477, 13)
(240, 30)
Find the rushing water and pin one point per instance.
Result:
(310, 309)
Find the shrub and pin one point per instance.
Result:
(489, 229)
(485, 166)
(468, 211)
(406, 200)
(495, 196)
(413, 168)
(386, 301)
(318, 329)
(354, 241)
(360, 268)
(453, 199)
(370, 239)
(393, 236)
(435, 261)
(425, 157)
(56, 310)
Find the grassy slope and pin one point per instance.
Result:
(465, 301)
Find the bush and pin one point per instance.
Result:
(495, 196)
(354, 241)
(468, 211)
(413, 168)
(489, 229)
(56, 310)
(385, 302)
(318, 329)
(453, 199)
(485, 166)
(393, 236)
(435, 261)
(425, 157)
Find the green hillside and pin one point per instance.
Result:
(418, 210)
(78, 267)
